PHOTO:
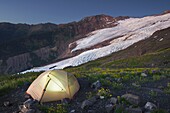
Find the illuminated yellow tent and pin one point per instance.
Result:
(53, 85)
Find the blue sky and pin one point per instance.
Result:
(64, 11)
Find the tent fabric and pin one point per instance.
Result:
(53, 85)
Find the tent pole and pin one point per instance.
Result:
(45, 89)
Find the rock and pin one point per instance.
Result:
(7, 103)
(89, 102)
(133, 99)
(133, 110)
(144, 74)
(90, 111)
(65, 101)
(15, 112)
(113, 100)
(109, 79)
(26, 96)
(72, 111)
(96, 85)
(109, 108)
(28, 103)
(30, 111)
(136, 85)
(101, 97)
(160, 87)
(23, 109)
(150, 106)
(118, 79)
(86, 103)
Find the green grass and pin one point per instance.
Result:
(121, 73)
(59, 108)
(155, 59)
(10, 82)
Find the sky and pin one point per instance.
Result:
(64, 11)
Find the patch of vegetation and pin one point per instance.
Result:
(167, 89)
(89, 95)
(155, 59)
(8, 82)
(159, 111)
(153, 93)
(59, 108)
(104, 92)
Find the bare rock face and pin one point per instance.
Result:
(26, 60)
(166, 12)
(95, 22)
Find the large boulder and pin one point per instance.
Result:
(109, 108)
(113, 100)
(96, 85)
(150, 106)
(133, 99)
(89, 102)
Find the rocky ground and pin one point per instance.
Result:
(95, 97)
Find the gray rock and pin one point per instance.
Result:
(85, 104)
(136, 85)
(109, 108)
(118, 79)
(26, 96)
(90, 111)
(28, 103)
(133, 99)
(109, 79)
(144, 74)
(133, 110)
(65, 101)
(72, 111)
(150, 106)
(89, 102)
(30, 111)
(7, 103)
(23, 109)
(96, 85)
(113, 100)
(20, 107)
(101, 97)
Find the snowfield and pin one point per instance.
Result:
(126, 33)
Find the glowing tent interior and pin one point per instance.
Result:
(53, 85)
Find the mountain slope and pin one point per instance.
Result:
(153, 51)
(24, 46)
(126, 33)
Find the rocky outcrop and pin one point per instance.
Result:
(92, 23)
(28, 60)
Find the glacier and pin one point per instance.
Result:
(126, 33)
